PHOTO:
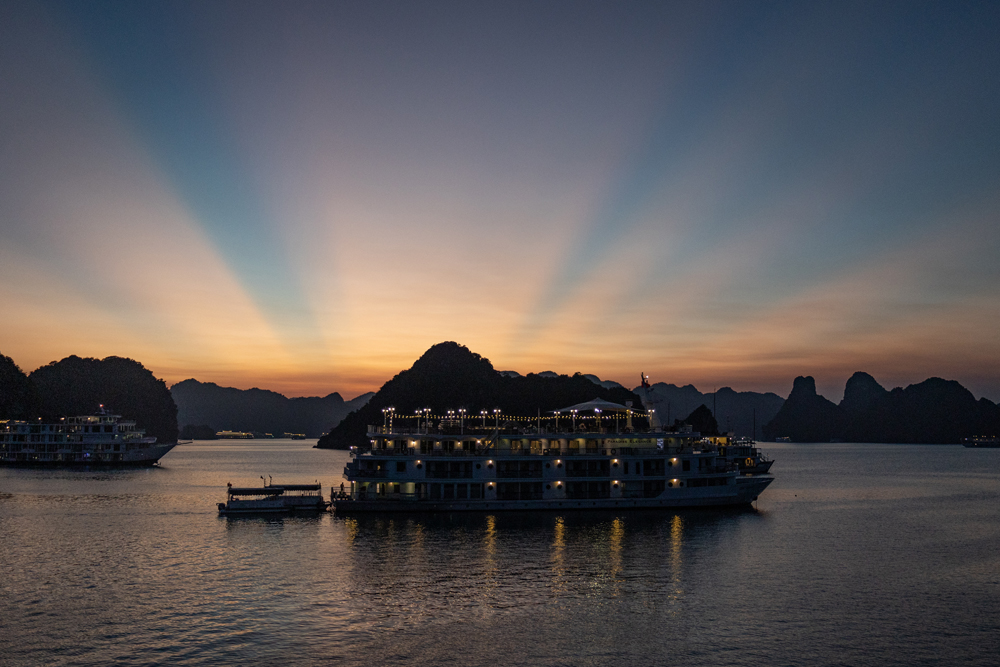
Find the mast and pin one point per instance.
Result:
(647, 402)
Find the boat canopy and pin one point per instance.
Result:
(302, 487)
(595, 405)
(256, 491)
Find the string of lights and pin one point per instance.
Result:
(473, 418)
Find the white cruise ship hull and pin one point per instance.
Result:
(439, 470)
(145, 457)
(745, 491)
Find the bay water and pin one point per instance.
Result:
(857, 554)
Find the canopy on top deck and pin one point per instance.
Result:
(595, 405)
(257, 491)
(275, 490)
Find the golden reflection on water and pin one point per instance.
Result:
(352, 530)
(676, 560)
(615, 555)
(490, 566)
(559, 556)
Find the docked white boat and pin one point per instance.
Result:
(103, 439)
(274, 499)
(570, 462)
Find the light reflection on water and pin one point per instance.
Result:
(856, 554)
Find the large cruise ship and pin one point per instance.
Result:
(589, 456)
(103, 439)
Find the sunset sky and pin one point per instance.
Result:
(304, 197)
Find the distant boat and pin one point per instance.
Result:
(783, 438)
(233, 435)
(296, 436)
(982, 442)
(102, 439)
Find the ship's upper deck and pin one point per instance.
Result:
(525, 440)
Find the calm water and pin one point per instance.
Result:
(855, 555)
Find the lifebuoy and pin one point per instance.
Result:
(749, 463)
(614, 450)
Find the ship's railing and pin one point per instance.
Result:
(375, 474)
(484, 452)
(374, 429)
(409, 497)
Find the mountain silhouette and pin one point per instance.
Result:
(741, 412)
(18, 397)
(78, 386)
(701, 420)
(205, 407)
(935, 411)
(449, 376)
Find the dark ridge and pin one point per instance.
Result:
(449, 376)
(934, 411)
(741, 412)
(701, 420)
(18, 397)
(862, 393)
(78, 386)
(806, 416)
(215, 408)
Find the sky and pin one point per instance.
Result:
(304, 197)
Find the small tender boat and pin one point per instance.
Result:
(274, 499)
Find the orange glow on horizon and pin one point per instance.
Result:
(567, 244)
